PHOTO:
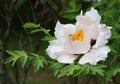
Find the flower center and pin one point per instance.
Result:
(78, 35)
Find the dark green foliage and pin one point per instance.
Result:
(16, 55)
(66, 70)
(49, 12)
(37, 61)
(31, 25)
(21, 56)
(72, 10)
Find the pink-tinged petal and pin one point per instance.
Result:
(53, 48)
(93, 15)
(90, 30)
(95, 55)
(62, 31)
(77, 47)
(64, 57)
(103, 36)
(56, 51)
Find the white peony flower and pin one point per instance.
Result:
(87, 37)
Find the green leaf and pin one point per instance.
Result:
(46, 38)
(37, 61)
(36, 30)
(70, 16)
(90, 69)
(15, 55)
(78, 70)
(46, 31)
(67, 71)
(9, 59)
(57, 67)
(112, 71)
(23, 61)
(12, 53)
(74, 7)
(31, 25)
(108, 75)
(98, 69)
(116, 69)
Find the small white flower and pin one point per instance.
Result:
(87, 37)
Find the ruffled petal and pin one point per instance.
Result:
(77, 47)
(93, 15)
(56, 51)
(103, 36)
(81, 47)
(95, 55)
(64, 57)
(62, 31)
(53, 48)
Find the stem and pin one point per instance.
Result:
(114, 59)
(114, 80)
(95, 80)
(76, 80)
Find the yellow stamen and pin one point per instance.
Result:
(78, 35)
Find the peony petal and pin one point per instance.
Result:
(103, 36)
(55, 51)
(88, 27)
(95, 55)
(53, 48)
(77, 47)
(81, 47)
(93, 15)
(62, 31)
(65, 57)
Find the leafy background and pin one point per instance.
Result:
(27, 26)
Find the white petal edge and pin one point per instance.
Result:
(65, 57)
(103, 36)
(93, 15)
(95, 55)
(62, 30)
(53, 48)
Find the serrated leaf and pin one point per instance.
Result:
(37, 62)
(98, 70)
(78, 70)
(116, 69)
(15, 55)
(70, 16)
(46, 38)
(23, 61)
(74, 7)
(12, 53)
(90, 69)
(31, 25)
(36, 30)
(46, 31)
(9, 59)
(56, 67)
(108, 75)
